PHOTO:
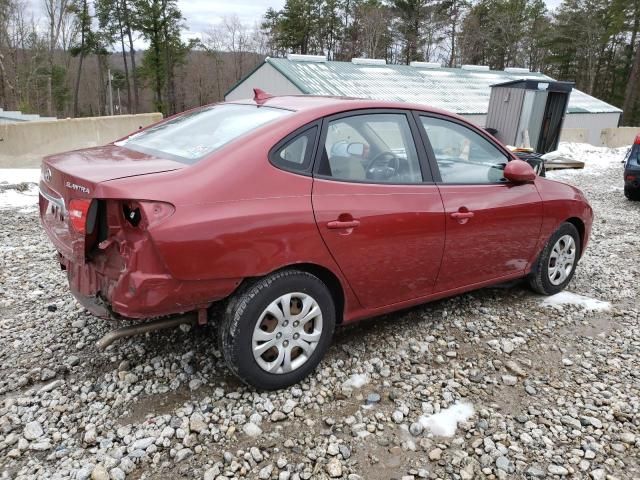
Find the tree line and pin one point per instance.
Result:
(79, 57)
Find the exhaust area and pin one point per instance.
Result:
(146, 327)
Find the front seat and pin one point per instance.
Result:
(348, 168)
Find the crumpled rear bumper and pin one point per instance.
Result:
(135, 286)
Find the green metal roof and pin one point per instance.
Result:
(454, 89)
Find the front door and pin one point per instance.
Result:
(492, 226)
(377, 210)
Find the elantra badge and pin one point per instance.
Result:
(75, 186)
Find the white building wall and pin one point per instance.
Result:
(593, 123)
(479, 120)
(266, 78)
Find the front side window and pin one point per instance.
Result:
(191, 136)
(376, 148)
(463, 156)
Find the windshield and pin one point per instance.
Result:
(191, 136)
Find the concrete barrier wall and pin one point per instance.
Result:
(619, 137)
(24, 144)
(574, 135)
(609, 137)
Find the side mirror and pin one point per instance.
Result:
(355, 149)
(519, 171)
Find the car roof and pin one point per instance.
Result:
(327, 105)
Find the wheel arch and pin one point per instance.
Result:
(327, 277)
(580, 226)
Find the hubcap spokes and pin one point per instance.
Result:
(287, 333)
(562, 259)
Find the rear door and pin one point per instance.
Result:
(376, 206)
(492, 226)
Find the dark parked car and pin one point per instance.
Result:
(299, 214)
(632, 171)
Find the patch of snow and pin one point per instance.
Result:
(356, 380)
(445, 422)
(14, 176)
(568, 298)
(25, 200)
(595, 158)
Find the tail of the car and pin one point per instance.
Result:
(76, 217)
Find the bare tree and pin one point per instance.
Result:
(259, 41)
(68, 32)
(633, 85)
(374, 22)
(57, 12)
(232, 36)
(6, 10)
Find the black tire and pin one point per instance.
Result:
(539, 276)
(632, 194)
(242, 313)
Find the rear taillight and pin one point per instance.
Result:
(637, 141)
(79, 213)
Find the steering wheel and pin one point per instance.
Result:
(383, 166)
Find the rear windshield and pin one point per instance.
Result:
(191, 136)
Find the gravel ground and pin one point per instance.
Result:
(539, 391)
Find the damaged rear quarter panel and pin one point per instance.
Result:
(236, 216)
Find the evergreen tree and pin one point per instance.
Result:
(160, 23)
(409, 22)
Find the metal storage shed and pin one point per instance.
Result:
(464, 91)
(529, 112)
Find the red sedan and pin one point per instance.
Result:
(302, 213)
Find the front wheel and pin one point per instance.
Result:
(277, 329)
(556, 265)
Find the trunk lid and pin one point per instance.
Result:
(74, 176)
(100, 164)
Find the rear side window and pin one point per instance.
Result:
(191, 136)
(295, 154)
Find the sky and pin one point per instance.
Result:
(201, 14)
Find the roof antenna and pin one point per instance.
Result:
(260, 96)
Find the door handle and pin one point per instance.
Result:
(462, 215)
(336, 224)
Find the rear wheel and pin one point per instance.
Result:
(632, 193)
(277, 329)
(556, 264)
